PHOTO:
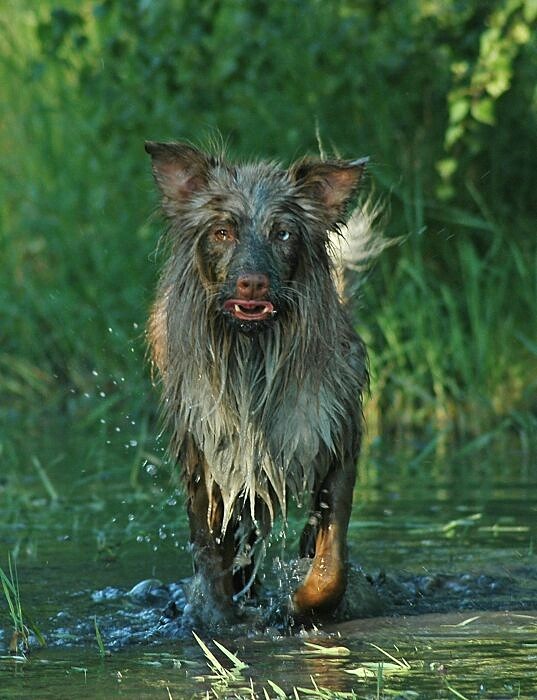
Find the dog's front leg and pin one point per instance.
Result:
(212, 552)
(325, 539)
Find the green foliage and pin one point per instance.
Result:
(480, 82)
(440, 94)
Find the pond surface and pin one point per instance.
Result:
(445, 547)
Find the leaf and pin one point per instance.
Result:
(468, 621)
(446, 167)
(402, 664)
(216, 665)
(458, 110)
(239, 665)
(99, 638)
(319, 650)
(371, 669)
(453, 134)
(456, 693)
(280, 693)
(521, 33)
(483, 111)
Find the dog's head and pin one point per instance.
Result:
(255, 231)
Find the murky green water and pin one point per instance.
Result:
(448, 547)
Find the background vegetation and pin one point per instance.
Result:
(441, 95)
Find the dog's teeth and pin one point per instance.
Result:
(237, 307)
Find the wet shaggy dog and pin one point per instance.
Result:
(262, 373)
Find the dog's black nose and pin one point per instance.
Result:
(252, 286)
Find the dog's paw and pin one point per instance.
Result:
(322, 588)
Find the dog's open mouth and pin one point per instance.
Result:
(249, 310)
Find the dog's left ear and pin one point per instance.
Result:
(333, 183)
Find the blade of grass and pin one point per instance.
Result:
(99, 638)
(215, 665)
(402, 664)
(237, 663)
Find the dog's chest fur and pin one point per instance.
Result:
(267, 433)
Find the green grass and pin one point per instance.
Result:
(21, 622)
(456, 353)
(99, 639)
(448, 314)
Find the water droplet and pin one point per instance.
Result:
(131, 517)
(95, 373)
(150, 468)
(133, 443)
(102, 394)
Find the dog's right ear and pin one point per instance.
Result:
(180, 171)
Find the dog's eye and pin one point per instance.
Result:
(223, 234)
(283, 236)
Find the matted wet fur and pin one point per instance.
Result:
(262, 373)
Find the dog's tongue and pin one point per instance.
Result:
(249, 310)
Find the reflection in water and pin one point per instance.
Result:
(431, 550)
